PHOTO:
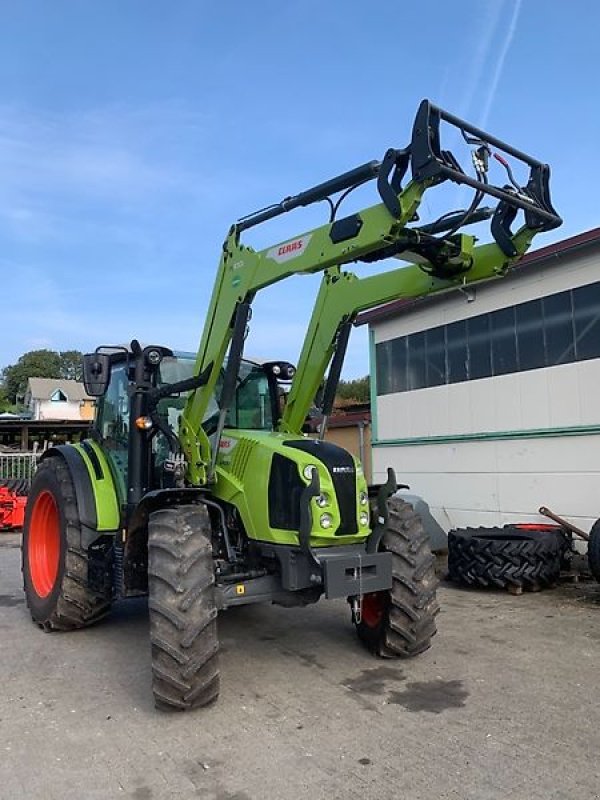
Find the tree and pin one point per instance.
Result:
(5, 404)
(34, 364)
(356, 390)
(71, 365)
(39, 364)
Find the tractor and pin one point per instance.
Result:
(199, 486)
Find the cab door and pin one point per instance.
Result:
(112, 426)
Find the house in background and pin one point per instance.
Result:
(58, 399)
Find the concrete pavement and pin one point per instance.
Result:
(504, 705)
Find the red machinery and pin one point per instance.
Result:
(12, 505)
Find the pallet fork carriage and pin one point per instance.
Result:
(198, 489)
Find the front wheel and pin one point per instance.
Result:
(55, 563)
(183, 614)
(400, 622)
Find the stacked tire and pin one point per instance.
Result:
(527, 559)
(594, 550)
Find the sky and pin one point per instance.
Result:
(134, 132)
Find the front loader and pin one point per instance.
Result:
(198, 486)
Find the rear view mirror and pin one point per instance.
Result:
(96, 373)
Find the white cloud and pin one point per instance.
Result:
(109, 152)
(492, 87)
(483, 76)
(474, 76)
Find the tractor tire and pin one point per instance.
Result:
(401, 622)
(594, 550)
(54, 561)
(183, 614)
(506, 557)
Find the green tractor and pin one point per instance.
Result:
(198, 485)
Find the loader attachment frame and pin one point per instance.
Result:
(446, 258)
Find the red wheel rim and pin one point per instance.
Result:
(44, 544)
(536, 526)
(373, 608)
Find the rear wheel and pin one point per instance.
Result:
(55, 564)
(401, 621)
(183, 614)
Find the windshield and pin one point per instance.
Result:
(251, 407)
(175, 368)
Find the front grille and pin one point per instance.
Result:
(285, 491)
(345, 491)
(340, 465)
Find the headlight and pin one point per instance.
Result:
(154, 357)
(364, 518)
(326, 520)
(308, 471)
(323, 500)
(364, 498)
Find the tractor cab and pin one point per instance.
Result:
(134, 373)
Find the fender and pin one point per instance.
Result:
(161, 498)
(95, 490)
(438, 538)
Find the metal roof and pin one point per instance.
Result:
(544, 255)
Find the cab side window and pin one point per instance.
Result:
(113, 417)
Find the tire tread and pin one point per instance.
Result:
(408, 624)
(77, 605)
(594, 550)
(492, 557)
(183, 615)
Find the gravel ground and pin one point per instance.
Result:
(504, 705)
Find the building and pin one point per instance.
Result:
(485, 400)
(58, 399)
(349, 427)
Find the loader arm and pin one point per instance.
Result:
(447, 258)
(243, 272)
(342, 295)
